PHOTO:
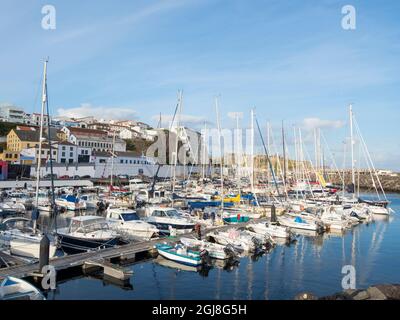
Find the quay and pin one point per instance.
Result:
(44, 183)
(123, 252)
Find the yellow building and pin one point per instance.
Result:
(10, 156)
(22, 139)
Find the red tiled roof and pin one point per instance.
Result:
(84, 131)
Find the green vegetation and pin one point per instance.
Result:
(6, 127)
(138, 146)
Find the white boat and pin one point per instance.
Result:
(299, 223)
(91, 200)
(265, 239)
(127, 222)
(241, 242)
(378, 210)
(71, 202)
(166, 219)
(12, 288)
(180, 254)
(215, 251)
(22, 240)
(87, 233)
(273, 230)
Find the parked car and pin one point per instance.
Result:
(65, 177)
(123, 176)
(85, 177)
(76, 177)
(49, 176)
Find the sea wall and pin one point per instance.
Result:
(376, 292)
(389, 183)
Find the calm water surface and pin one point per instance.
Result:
(311, 264)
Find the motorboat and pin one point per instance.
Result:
(215, 251)
(12, 288)
(91, 200)
(127, 222)
(299, 223)
(181, 254)
(235, 216)
(18, 234)
(87, 233)
(271, 229)
(241, 242)
(71, 202)
(165, 219)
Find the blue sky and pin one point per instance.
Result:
(291, 60)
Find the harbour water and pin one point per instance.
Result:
(312, 264)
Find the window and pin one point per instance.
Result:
(71, 160)
(63, 148)
(71, 155)
(121, 161)
(102, 161)
(63, 154)
(62, 160)
(71, 149)
(54, 152)
(42, 152)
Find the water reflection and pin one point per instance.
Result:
(311, 263)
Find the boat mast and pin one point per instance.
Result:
(203, 165)
(221, 153)
(238, 152)
(353, 176)
(284, 155)
(39, 160)
(175, 153)
(269, 148)
(252, 151)
(112, 162)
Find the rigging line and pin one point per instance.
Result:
(312, 168)
(369, 157)
(53, 198)
(268, 158)
(278, 163)
(332, 157)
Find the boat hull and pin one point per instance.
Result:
(72, 244)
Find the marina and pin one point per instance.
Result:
(199, 150)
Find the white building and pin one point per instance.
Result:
(10, 113)
(67, 152)
(127, 133)
(34, 119)
(96, 140)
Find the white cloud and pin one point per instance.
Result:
(312, 123)
(99, 112)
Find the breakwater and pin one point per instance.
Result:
(364, 180)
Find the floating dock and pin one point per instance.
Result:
(101, 257)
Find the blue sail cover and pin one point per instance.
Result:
(298, 220)
(71, 198)
(204, 204)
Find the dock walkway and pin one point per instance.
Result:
(76, 260)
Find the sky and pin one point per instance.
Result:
(289, 60)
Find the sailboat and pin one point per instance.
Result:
(19, 234)
(379, 207)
